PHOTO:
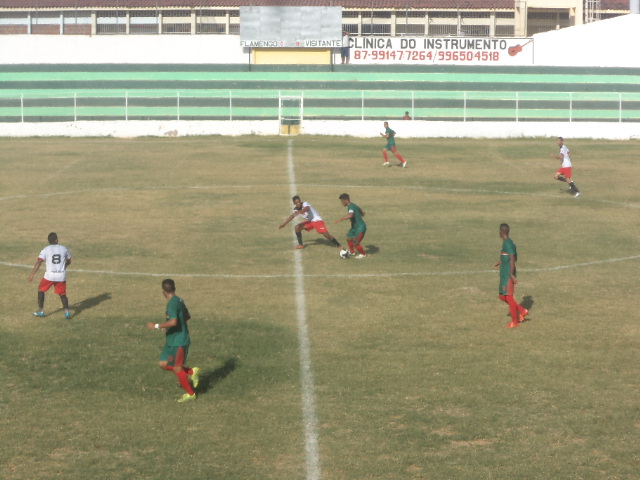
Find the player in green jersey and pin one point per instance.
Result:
(390, 135)
(508, 280)
(176, 348)
(358, 227)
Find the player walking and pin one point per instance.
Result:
(507, 266)
(391, 145)
(311, 220)
(176, 348)
(358, 227)
(56, 258)
(564, 172)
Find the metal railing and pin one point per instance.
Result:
(345, 105)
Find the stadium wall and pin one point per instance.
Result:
(606, 43)
(598, 44)
(364, 129)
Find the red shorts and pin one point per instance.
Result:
(566, 172)
(60, 288)
(319, 226)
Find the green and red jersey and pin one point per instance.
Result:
(508, 249)
(178, 335)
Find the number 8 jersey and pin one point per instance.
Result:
(55, 256)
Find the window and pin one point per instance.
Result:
(443, 30)
(474, 15)
(505, 31)
(376, 29)
(176, 28)
(443, 14)
(403, 29)
(111, 22)
(143, 22)
(474, 30)
(350, 27)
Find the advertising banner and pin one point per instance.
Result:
(441, 50)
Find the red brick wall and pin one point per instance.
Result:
(13, 29)
(45, 29)
(77, 29)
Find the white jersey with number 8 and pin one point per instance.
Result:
(56, 257)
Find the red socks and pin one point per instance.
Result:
(357, 247)
(398, 156)
(514, 308)
(183, 378)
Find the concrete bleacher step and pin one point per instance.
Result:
(105, 92)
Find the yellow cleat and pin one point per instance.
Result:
(186, 397)
(195, 377)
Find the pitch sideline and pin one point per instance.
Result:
(309, 416)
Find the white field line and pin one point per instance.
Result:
(309, 417)
(584, 198)
(301, 274)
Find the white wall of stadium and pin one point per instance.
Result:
(599, 44)
(607, 43)
(364, 129)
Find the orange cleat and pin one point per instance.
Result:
(512, 325)
(298, 247)
(522, 315)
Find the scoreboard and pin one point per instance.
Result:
(291, 27)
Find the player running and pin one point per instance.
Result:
(564, 172)
(358, 227)
(391, 145)
(311, 221)
(177, 340)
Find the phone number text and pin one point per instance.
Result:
(423, 55)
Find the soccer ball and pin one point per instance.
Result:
(344, 253)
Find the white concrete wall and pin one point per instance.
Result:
(121, 49)
(365, 129)
(608, 43)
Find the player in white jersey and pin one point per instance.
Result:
(56, 258)
(563, 174)
(312, 220)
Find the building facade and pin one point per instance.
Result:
(474, 18)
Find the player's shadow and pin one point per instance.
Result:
(77, 308)
(209, 379)
(527, 302)
(320, 241)
(87, 303)
(372, 249)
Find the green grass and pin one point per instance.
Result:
(414, 375)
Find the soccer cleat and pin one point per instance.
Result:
(298, 247)
(361, 255)
(385, 164)
(522, 315)
(38, 314)
(404, 165)
(186, 397)
(512, 325)
(195, 377)
(577, 194)
(67, 315)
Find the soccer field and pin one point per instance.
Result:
(397, 366)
